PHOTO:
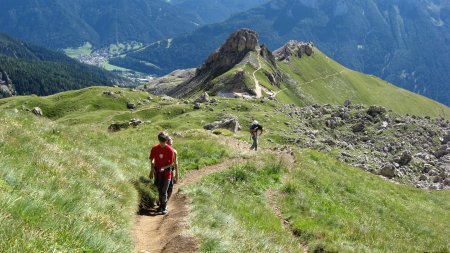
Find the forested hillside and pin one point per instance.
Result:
(30, 69)
(61, 24)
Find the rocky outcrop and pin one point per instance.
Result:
(403, 148)
(204, 98)
(229, 122)
(294, 48)
(124, 125)
(37, 111)
(131, 105)
(232, 52)
(7, 88)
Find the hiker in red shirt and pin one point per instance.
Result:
(162, 158)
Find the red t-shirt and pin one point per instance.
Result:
(162, 156)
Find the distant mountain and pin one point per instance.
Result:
(297, 73)
(61, 24)
(30, 69)
(403, 41)
(212, 11)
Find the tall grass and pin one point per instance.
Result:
(70, 188)
(230, 212)
(336, 207)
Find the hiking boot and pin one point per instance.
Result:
(165, 211)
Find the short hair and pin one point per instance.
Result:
(162, 137)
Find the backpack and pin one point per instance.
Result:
(256, 128)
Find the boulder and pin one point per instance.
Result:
(347, 103)
(446, 138)
(203, 98)
(230, 122)
(358, 128)
(376, 110)
(388, 171)
(37, 111)
(443, 151)
(131, 106)
(108, 93)
(404, 159)
(124, 125)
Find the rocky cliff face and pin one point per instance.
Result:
(232, 52)
(294, 48)
(6, 86)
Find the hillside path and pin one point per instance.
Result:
(166, 234)
(258, 89)
(152, 233)
(324, 77)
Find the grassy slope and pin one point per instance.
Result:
(331, 206)
(71, 188)
(360, 88)
(343, 209)
(69, 184)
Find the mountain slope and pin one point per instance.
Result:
(30, 69)
(404, 42)
(62, 24)
(212, 11)
(87, 185)
(296, 73)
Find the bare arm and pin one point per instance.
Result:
(177, 173)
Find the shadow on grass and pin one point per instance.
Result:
(147, 194)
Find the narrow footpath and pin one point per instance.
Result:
(153, 233)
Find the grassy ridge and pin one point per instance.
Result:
(333, 83)
(333, 207)
(68, 188)
(343, 209)
(69, 185)
(230, 211)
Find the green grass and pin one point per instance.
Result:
(346, 84)
(84, 50)
(340, 208)
(106, 65)
(230, 212)
(72, 188)
(68, 185)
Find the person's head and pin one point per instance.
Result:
(162, 138)
(169, 141)
(255, 122)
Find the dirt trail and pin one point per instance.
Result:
(271, 196)
(157, 233)
(152, 233)
(258, 89)
(324, 77)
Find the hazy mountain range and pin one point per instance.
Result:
(62, 24)
(405, 42)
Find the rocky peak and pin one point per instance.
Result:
(231, 53)
(294, 48)
(235, 48)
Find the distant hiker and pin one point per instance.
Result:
(162, 158)
(175, 169)
(255, 130)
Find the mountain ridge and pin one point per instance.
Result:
(100, 22)
(296, 73)
(404, 43)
